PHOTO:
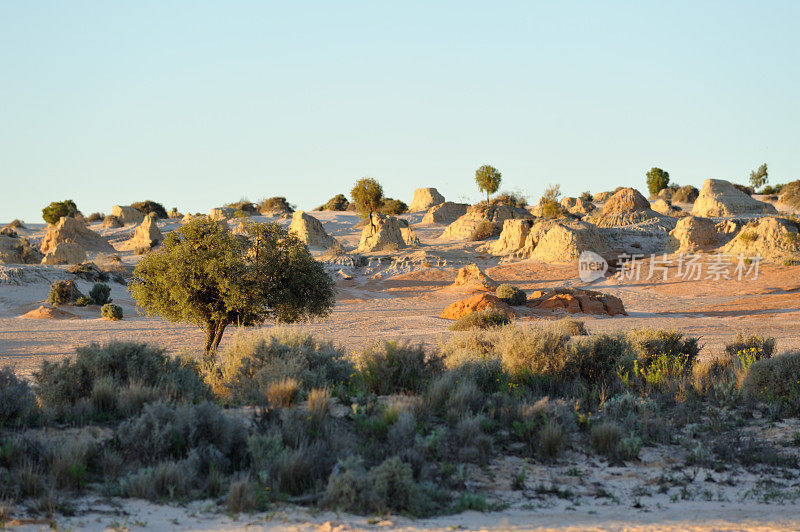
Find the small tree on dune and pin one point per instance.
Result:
(57, 210)
(657, 179)
(367, 196)
(759, 178)
(204, 274)
(488, 179)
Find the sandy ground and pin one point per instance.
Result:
(401, 299)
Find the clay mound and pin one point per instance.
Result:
(48, 313)
(174, 214)
(71, 230)
(65, 253)
(386, 233)
(665, 207)
(575, 301)
(774, 239)
(310, 230)
(577, 206)
(564, 241)
(496, 213)
(424, 199)
(14, 250)
(628, 207)
(515, 232)
(111, 222)
(337, 203)
(146, 236)
(445, 213)
(470, 276)
(127, 214)
(475, 303)
(220, 213)
(600, 197)
(693, 234)
(720, 198)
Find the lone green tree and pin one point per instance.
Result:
(367, 196)
(657, 179)
(759, 178)
(205, 275)
(488, 179)
(58, 209)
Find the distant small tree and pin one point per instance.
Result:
(367, 196)
(759, 178)
(148, 206)
(204, 274)
(58, 209)
(657, 179)
(488, 179)
(549, 202)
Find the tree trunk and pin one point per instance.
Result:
(487, 197)
(211, 328)
(218, 334)
(214, 331)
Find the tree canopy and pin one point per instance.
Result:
(58, 209)
(759, 178)
(205, 275)
(488, 179)
(657, 179)
(367, 196)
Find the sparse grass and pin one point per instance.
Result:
(605, 438)
(551, 439)
(282, 393)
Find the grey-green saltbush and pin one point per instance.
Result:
(511, 294)
(112, 312)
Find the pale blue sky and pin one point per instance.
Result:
(194, 104)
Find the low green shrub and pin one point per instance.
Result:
(83, 301)
(148, 206)
(63, 293)
(685, 194)
(389, 367)
(100, 294)
(57, 210)
(511, 294)
(111, 312)
(481, 319)
(649, 343)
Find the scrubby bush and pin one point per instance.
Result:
(774, 378)
(17, 402)
(586, 196)
(112, 312)
(127, 364)
(551, 439)
(58, 209)
(163, 431)
(282, 393)
(148, 206)
(649, 343)
(511, 294)
(763, 345)
(481, 319)
(393, 206)
(686, 194)
(276, 204)
(252, 360)
(83, 301)
(390, 367)
(387, 487)
(63, 293)
(483, 231)
(337, 203)
(100, 294)
(242, 495)
(512, 199)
